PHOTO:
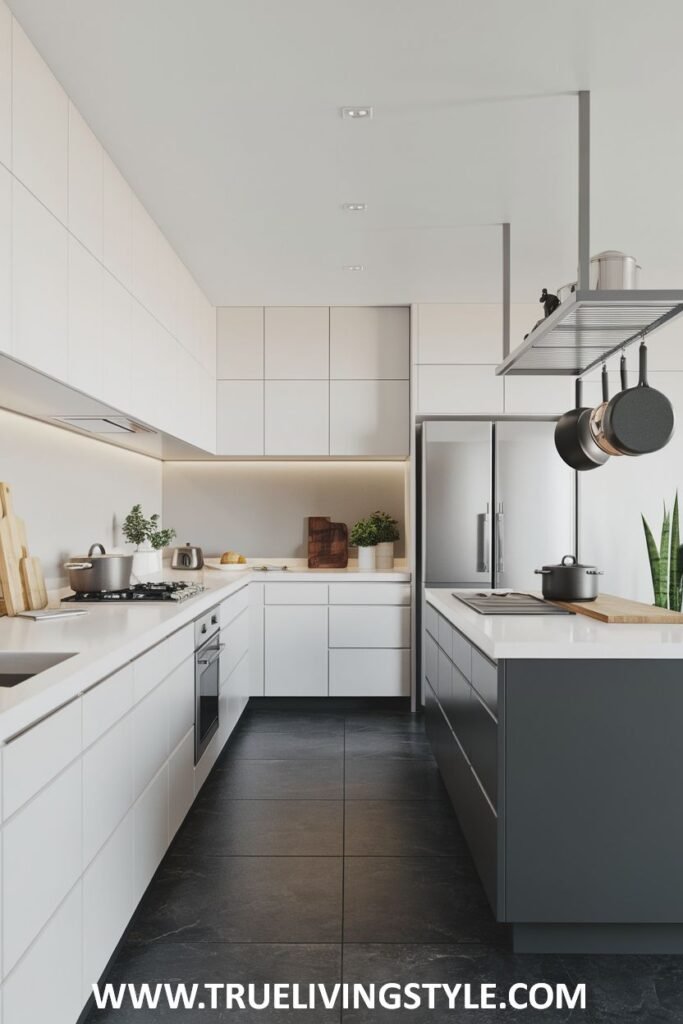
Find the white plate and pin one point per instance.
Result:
(215, 563)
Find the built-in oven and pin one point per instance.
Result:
(207, 659)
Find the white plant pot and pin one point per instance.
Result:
(146, 563)
(366, 558)
(385, 555)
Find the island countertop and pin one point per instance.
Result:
(556, 636)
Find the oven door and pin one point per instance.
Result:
(206, 683)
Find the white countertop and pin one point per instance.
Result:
(110, 635)
(556, 636)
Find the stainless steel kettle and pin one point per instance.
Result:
(189, 557)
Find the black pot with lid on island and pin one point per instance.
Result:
(569, 580)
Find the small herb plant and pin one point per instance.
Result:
(387, 527)
(137, 529)
(364, 533)
(665, 560)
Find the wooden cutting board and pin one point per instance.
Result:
(328, 543)
(21, 576)
(607, 608)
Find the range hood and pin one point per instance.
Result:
(592, 324)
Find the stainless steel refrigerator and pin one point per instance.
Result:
(496, 503)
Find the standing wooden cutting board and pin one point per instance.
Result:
(328, 544)
(608, 608)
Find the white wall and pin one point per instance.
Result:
(260, 508)
(614, 496)
(71, 491)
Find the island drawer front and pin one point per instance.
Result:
(462, 654)
(485, 679)
(369, 626)
(445, 636)
(295, 593)
(482, 748)
(234, 606)
(444, 682)
(431, 655)
(36, 756)
(457, 707)
(106, 703)
(477, 820)
(431, 621)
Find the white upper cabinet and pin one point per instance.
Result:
(453, 390)
(297, 343)
(117, 210)
(296, 417)
(538, 396)
(459, 333)
(85, 184)
(239, 417)
(239, 343)
(369, 417)
(5, 85)
(39, 286)
(5, 261)
(117, 371)
(86, 369)
(369, 343)
(40, 126)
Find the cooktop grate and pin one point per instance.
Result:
(510, 604)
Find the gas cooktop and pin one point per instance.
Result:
(142, 592)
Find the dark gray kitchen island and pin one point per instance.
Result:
(559, 740)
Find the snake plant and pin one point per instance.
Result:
(665, 560)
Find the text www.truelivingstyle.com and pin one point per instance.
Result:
(349, 996)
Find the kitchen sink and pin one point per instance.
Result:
(16, 667)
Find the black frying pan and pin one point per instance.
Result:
(574, 440)
(638, 420)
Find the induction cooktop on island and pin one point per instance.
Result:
(142, 592)
(510, 603)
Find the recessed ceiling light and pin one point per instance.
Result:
(355, 266)
(356, 113)
(354, 207)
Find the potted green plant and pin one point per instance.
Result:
(665, 560)
(364, 537)
(149, 539)
(387, 534)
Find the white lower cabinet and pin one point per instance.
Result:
(47, 985)
(369, 626)
(107, 785)
(296, 650)
(150, 736)
(256, 628)
(151, 830)
(108, 901)
(180, 782)
(42, 860)
(376, 672)
(180, 699)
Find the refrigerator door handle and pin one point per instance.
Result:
(500, 523)
(483, 541)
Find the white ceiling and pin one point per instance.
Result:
(224, 117)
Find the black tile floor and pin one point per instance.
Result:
(323, 849)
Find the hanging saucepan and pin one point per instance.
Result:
(596, 420)
(573, 438)
(638, 420)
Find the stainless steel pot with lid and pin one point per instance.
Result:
(188, 557)
(99, 571)
(569, 580)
